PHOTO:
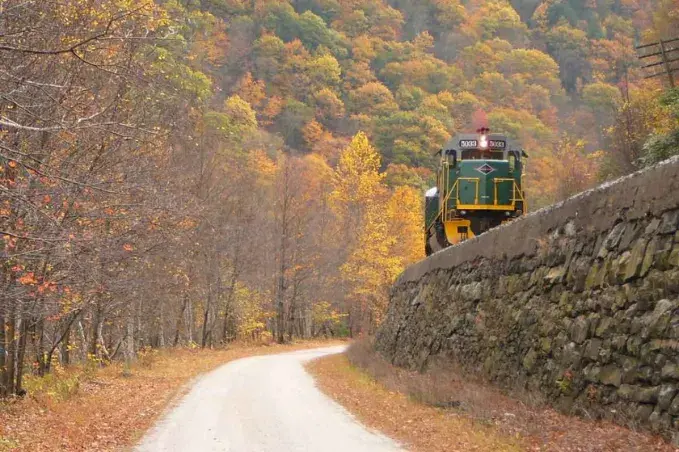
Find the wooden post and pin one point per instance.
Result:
(663, 58)
(667, 63)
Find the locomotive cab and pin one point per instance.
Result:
(478, 187)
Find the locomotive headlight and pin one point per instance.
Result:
(483, 142)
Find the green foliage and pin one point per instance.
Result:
(236, 123)
(497, 18)
(399, 175)
(663, 146)
(409, 97)
(373, 99)
(294, 116)
(307, 27)
(225, 7)
(411, 73)
(324, 71)
(409, 138)
(180, 76)
(533, 66)
(568, 46)
(602, 98)
(325, 316)
(168, 124)
(520, 124)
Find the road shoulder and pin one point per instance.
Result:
(110, 409)
(419, 427)
(440, 410)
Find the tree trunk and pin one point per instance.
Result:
(161, 327)
(41, 356)
(21, 353)
(94, 339)
(189, 320)
(11, 351)
(280, 289)
(180, 318)
(3, 358)
(206, 316)
(101, 346)
(129, 351)
(137, 331)
(227, 313)
(292, 317)
(83, 341)
(66, 346)
(64, 339)
(280, 308)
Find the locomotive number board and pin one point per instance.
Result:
(469, 144)
(474, 144)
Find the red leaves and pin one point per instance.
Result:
(28, 279)
(47, 286)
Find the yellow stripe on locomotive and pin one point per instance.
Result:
(478, 187)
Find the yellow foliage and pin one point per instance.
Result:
(263, 165)
(384, 231)
(313, 132)
(357, 179)
(252, 90)
(323, 313)
(272, 109)
(405, 211)
(316, 173)
(372, 267)
(249, 311)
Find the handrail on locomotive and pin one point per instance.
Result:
(491, 165)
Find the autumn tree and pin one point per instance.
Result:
(147, 151)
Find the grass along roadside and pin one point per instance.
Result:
(111, 408)
(441, 411)
(417, 426)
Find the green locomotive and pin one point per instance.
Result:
(478, 187)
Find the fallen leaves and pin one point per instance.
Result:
(419, 427)
(451, 410)
(110, 411)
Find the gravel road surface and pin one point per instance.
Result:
(261, 404)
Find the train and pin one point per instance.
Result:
(478, 187)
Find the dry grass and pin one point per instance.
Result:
(110, 408)
(419, 427)
(443, 397)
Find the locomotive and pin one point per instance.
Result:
(478, 187)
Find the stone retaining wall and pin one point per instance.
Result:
(578, 302)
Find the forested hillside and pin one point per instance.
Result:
(192, 172)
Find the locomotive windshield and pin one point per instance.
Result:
(482, 154)
(451, 157)
(478, 187)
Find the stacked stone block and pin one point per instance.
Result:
(578, 303)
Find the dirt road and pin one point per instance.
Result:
(265, 403)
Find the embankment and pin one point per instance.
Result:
(578, 303)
